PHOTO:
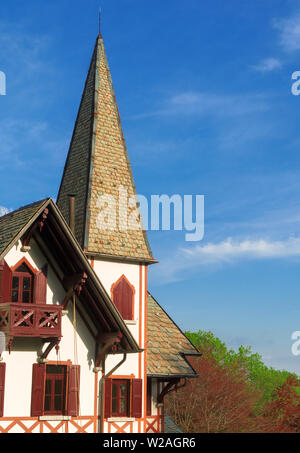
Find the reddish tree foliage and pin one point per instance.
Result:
(218, 401)
(282, 415)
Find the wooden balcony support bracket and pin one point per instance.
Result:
(54, 342)
(38, 224)
(110, 341)
(75, 283)
(10, 343)
(171, 386)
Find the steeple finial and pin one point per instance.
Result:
(99, 20)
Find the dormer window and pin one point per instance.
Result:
(22, 284)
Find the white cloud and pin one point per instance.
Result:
(289, 30)
(22, 49)
(267, 65)
(4, 210)
(211, 256)
(230, 251)
(209, 104)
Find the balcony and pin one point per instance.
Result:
(30, 320)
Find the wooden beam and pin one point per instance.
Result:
(54, 342)
(168, 388)
(39, 223)
(108, 340)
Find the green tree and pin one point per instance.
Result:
(260, 377)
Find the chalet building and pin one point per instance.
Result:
(84, 347)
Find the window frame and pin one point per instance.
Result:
(135, 391)
(118, 398)
(20, 275)
(53, 378)
(71, 403)
(39, 282)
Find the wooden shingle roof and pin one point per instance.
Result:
(97, 165)
(166, 345)
(11, 224)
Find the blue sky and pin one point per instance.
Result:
(204, 93)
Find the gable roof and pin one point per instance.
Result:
(167, 345)
(66, 251)
(13, 223)
(98, 164)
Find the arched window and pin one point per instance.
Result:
(123, 297)
(22, 283)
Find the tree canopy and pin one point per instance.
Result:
(234, 392)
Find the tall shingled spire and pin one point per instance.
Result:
(98, 164)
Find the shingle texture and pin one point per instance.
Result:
(11, 224)
(98, 165)
(165, 344)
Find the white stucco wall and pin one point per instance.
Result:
(109, 272)
(25, 351)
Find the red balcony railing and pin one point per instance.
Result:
(31, 320)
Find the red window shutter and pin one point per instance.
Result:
(37, 391)
(40, 285)
(5, 282)
(123, 298)
(2, 386)
(73, 390)
(137, 392)
(107, 398)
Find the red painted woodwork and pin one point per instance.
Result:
(73, 390)
(5, 282)
(23, 309)
(137, 391)
(55, 390)
(118, 393)
(40, 287)
(123, 297)
(22, 283)
(37, 391)
(31, 320)
(107, 398)
(2, 386)
(154, 424)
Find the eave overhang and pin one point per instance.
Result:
(65, 249)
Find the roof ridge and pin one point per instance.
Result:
(30, 205)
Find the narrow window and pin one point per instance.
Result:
(123, 398)
(22, 285)
(55, 390)
(120, 398)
